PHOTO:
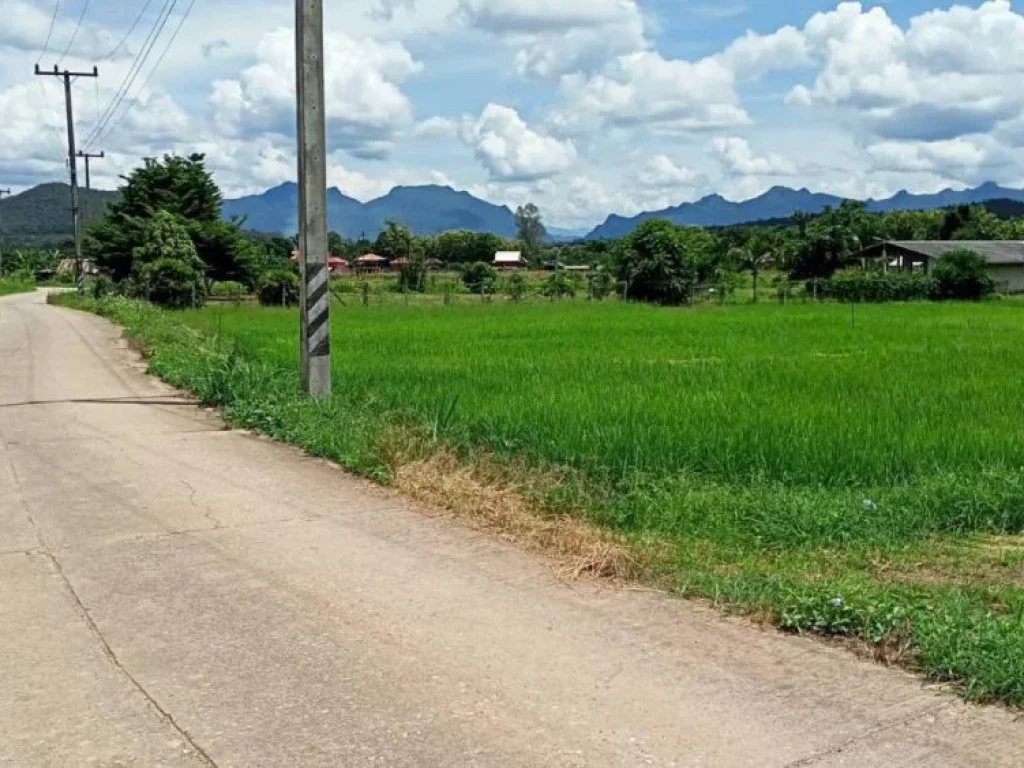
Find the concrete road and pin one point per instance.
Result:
(172, 593)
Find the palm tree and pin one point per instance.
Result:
(757, 254)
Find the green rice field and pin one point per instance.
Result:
(855, 472)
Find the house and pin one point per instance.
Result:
(397, 265)
(370, 263)
(434, 264)
(509, 260)
(1005, 258)
(338, 266)
(335, 264)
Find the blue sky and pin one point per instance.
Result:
(586, 107)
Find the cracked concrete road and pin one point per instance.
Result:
(172, 593)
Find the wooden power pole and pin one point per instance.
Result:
(66, 75)
(2, 193)
(87, 156)
(315, 282)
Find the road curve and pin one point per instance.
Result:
(172, 593)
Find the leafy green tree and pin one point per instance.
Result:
(530, 226)
(480, 278)
(395, 242)
(413, 277)
(183, 187)
(962, 275)
(756, 255)
(663, 263)
(278, 287)
(166, 267)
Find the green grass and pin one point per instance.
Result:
(8, 287)
(854, 472)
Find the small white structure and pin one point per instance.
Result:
(509, 260)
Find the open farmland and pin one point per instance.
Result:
(852, 472)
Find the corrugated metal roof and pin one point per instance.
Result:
(508, 257)
(993, 251)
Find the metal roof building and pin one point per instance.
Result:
(1005, 257)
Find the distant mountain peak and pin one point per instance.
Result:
(782, 202)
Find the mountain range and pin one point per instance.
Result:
(782, 203)
(426, 210)
(42, 211)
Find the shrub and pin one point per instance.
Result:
(227, 288)
(854, 285)
(601, 284)
(480, 278)
(962, 275)
(559, 285)
(516, 286)
(172, 283)
(279, 287)
(98, 287)
(414, 276)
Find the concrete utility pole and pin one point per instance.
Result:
(88, 182)
(66, 75)
(315, 282)
(2, 193)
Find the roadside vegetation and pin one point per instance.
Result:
(7, 287)
(862, 480)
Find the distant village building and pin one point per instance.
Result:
(509, 260)
(338, 266)
(370, 263)
(1005, 258)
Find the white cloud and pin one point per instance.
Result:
(366, 107)
(511, 150)
(738, 157)
(953, 156)
(645, 89)
(558, 37)
(25, 27)
(662, 171)
(951, 73)
(753, 55)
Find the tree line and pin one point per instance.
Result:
(166, 239)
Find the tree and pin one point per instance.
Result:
(962, 275)
(184, 188)
(395, 242)
(167, 269)
(663, 263)
(756, 255)
(530, 226)
(480, 278)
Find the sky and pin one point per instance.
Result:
(584, 107)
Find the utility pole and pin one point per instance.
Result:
(315, 281)
(88, 182)
(2, 193)
(66, 75)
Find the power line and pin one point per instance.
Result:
(163, 54)
(133, 72)
(74, 35)
(128, 34)
(49, 33)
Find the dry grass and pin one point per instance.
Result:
(465, 493)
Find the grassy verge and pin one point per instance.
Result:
(8, 287)
(857, 479)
